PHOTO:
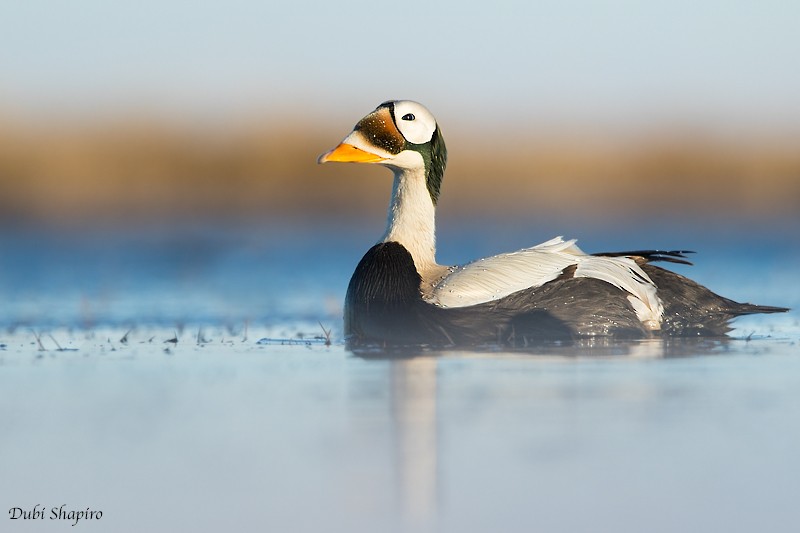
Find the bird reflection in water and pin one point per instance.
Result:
(414, 419)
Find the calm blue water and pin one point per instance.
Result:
(176, 381)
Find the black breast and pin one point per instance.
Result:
(383, 298)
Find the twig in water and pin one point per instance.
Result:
(39, 341)
(327, 333)
(60, 349)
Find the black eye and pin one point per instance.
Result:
(408, 116)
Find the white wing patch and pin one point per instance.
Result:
(498, 276)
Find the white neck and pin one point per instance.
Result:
(412, 217)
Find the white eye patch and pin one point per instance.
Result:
(414, 121)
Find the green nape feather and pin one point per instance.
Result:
(434, 154)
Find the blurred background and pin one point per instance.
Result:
(152, 111)
(154, 150)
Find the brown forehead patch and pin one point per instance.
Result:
(378, 128)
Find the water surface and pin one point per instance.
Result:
(182, 381)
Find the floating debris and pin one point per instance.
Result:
(309, 341)
(201, 337)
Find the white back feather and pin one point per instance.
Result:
(495, 277)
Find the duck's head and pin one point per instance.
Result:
(401, 135)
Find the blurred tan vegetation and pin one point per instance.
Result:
(132, 169)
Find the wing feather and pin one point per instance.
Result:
(494, 277)
(498, 276)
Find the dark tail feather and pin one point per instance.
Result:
(691, 309)
(751, 309)
(667, 256)
(679, 256)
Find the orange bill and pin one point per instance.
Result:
(347, 153)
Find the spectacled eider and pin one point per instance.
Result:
(400, 295)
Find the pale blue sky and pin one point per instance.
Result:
(604, 60)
